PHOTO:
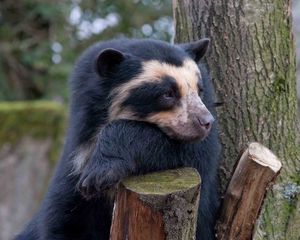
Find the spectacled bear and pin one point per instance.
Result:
(137, 106)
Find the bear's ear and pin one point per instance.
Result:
(108, 60)
(196, 49)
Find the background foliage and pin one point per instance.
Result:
(40, 40)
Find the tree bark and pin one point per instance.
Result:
(160, 206)
(252, 64)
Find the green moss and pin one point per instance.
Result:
(166, 182)
(280, 224)
(36, 119)
(279, 85)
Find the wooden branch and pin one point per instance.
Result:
(158, 206)
(256, 170)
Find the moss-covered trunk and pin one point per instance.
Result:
(252, 63)
(30, 141)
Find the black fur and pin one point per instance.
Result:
(122, 148)
(153, 97)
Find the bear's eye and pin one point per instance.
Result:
(169, 95)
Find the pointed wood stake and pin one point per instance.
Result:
(255, 172)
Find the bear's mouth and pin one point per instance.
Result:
(191, 133)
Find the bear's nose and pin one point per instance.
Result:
(206, 121)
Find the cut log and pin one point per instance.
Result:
(256, 170)
(162, 205)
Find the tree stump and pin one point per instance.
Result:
(162, 205)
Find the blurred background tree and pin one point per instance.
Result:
(296, 29)
(40, 40)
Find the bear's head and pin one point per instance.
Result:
(157, 83)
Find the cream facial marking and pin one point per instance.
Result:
(186, 76)
(180, 122)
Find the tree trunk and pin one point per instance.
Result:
(252, 64)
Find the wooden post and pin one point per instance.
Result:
(256, 170)
(162, 205)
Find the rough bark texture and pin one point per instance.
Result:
(160, 206)
(252, 63)
(254, 174)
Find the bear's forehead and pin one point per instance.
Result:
(186, 76)
(157, 50)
